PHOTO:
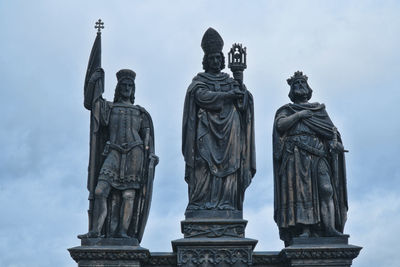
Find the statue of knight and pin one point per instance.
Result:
(122, 160)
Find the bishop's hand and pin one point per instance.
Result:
(235, 94)
(238, 76)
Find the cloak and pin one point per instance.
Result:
(98, 138)
(322, 126)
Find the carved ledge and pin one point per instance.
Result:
(162, 259)
(214, 255)
(104, 253)
(214, 251)
(321, 253)
(270, 258)
(213, 228)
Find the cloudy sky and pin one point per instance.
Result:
(348, 49)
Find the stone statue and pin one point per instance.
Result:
(309, 168)
(218, 132)
(122, 159)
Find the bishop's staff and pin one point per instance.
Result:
(237, 62)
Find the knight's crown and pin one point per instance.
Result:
(297, 76)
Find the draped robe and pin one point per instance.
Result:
(218, 143)
(300, 155)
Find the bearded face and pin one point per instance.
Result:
(300, 91)
(125, 90)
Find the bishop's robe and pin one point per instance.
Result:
(217, 143)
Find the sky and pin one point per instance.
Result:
(348, 49)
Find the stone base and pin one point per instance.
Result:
(214, 238)
(161, 259)
(213, 214)
(319, 252)
(109, 242)
(268, 259)
(214, 251)
(109, 252)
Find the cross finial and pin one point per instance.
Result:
(99, 25)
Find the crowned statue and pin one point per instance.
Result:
(309, 168)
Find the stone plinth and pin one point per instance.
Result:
(268, 259)
(109, 252)
(213, 228)
(219, 251)
(319, 252)
(161, 259)
(214, 238)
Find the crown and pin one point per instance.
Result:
(297, 76)
(126, 74)
(212, 42)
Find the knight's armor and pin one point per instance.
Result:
(124, 151)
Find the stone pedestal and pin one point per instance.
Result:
(268, 259)
(214, 251)
(319, 252)
(214, 238)
(109, 252)
(213, 228)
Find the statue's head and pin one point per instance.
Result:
(212, 44)
(126, 85)
(300, 91)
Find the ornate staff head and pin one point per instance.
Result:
(237, 61)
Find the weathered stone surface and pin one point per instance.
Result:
(108, 256)
(309, 168)
(328, 251)
(218, 141)
(122, 158)
(214, 251)
(268, 259)
(213, 228)
(162, 259)
(320, 241)
(109, 242)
